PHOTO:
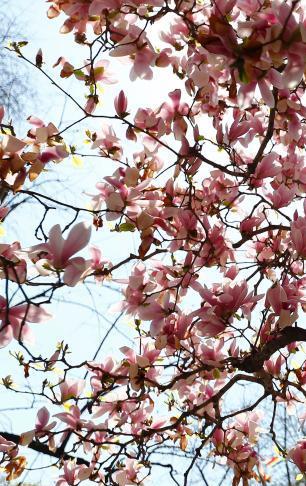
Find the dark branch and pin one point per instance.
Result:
(44, 449)
(254, 361)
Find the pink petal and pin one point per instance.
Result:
(42, 418)
(6, 335)
(266, 93)
(37, 122)
(56, 243)
(74, 270)
(78, 238)
(27, 437)
(30, 313)
(67, 419)
(12, 144)
(95, 255)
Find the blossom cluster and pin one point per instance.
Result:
(216, 287)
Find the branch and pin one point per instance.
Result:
(44, 449)
(254, 361)
(268, 136)
(249, 235)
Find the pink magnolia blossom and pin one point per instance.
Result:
(15, 268)
(16, 319)
(4, 210)
(249, 224)
(281, 197)
(227, 299)
(97, 6)
(301, 375)
(2, 113)
(268, 167)
(173, 112)
(73, 474)
(97, 265)
(8, 447)
(212, 353)
(171, 330)
(102, 73)
(71, 388)
(273, 366)
(237, 129)
(128, 475)
(107, 142)
(298, 235)
(72, 418)
(247, 423)
(56, 254)
(42, 428)
(140, 362)
(142, 53)
(40, 131)
(12, 144)
(56, 154)
(177, 34)
(240, 455)
(91, 104)
(284, 300)
(121, 104)
(101, 372)
(298, 455)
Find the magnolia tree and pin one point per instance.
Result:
(212, 182)
(15, 85)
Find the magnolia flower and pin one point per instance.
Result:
(141, 52)
(284, 304)
(15, 269)
(55, 255)
(298, 236)
(281, 197)
(2, 113)
(71, 388)
(8, 447)
(71, 418)
(298, 455)
(128, 475)
(269, 166)
(12, 144)
(101, 72)
(120, 104)
(42, 427)
(15, 321)
(73, 474)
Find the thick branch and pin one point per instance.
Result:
(254, 361)
(44, 449)
(248, 236)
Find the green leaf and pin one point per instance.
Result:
(22, 44)
(126, 227)
(99, 71)
(79, 74)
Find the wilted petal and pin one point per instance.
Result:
(12, 144)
